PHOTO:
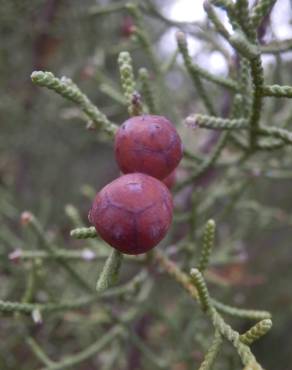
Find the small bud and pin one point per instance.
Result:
(37, 316)
(180, 37)
(90, 126)
(136, 98)
(127, 27)
(66, 80)
(88, 255)
(15, 255)
(191, 122)
(89, 216)
(25, 218)
(37, 76)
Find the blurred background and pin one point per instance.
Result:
(48, 160)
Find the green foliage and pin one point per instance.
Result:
(208, 243)
(109, 274)
(128, 83)
(257, 331)
(147, 92)
(84, 232)
(70, 91)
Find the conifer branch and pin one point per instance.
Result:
(203, 293)
(212, 353)
(215, 20)
(276, 132)
(277, 47)
(129, 84)
(256, 332)
(260, 10)
(66, 87)
(220, 325)
(156, 361)
(147, 92)
(195, 69)
(85, 254)
(142, 35)
(232, 336)
(244, 82)
(34, 224)
(26, 308)
(215, 123)
(193, 72)
(277, 91)
(179, 276)
(84, 232)
(207, 163)
(97, 10)
(239, 312)
(110, 271)
(200, 292)
(256, 107)
(208, 243)
(38, 352)
(242, 14)
(244, 47)
(88, 352)
(270, 145)
(10, 307)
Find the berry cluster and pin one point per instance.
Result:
(134, 212)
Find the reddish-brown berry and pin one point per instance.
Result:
(132, 213)
(128, 27)
(169, 181)
(148, 144)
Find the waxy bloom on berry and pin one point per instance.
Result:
(148, 144)
(132, 213)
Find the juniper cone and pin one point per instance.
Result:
(133, 213)
(148, 144)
